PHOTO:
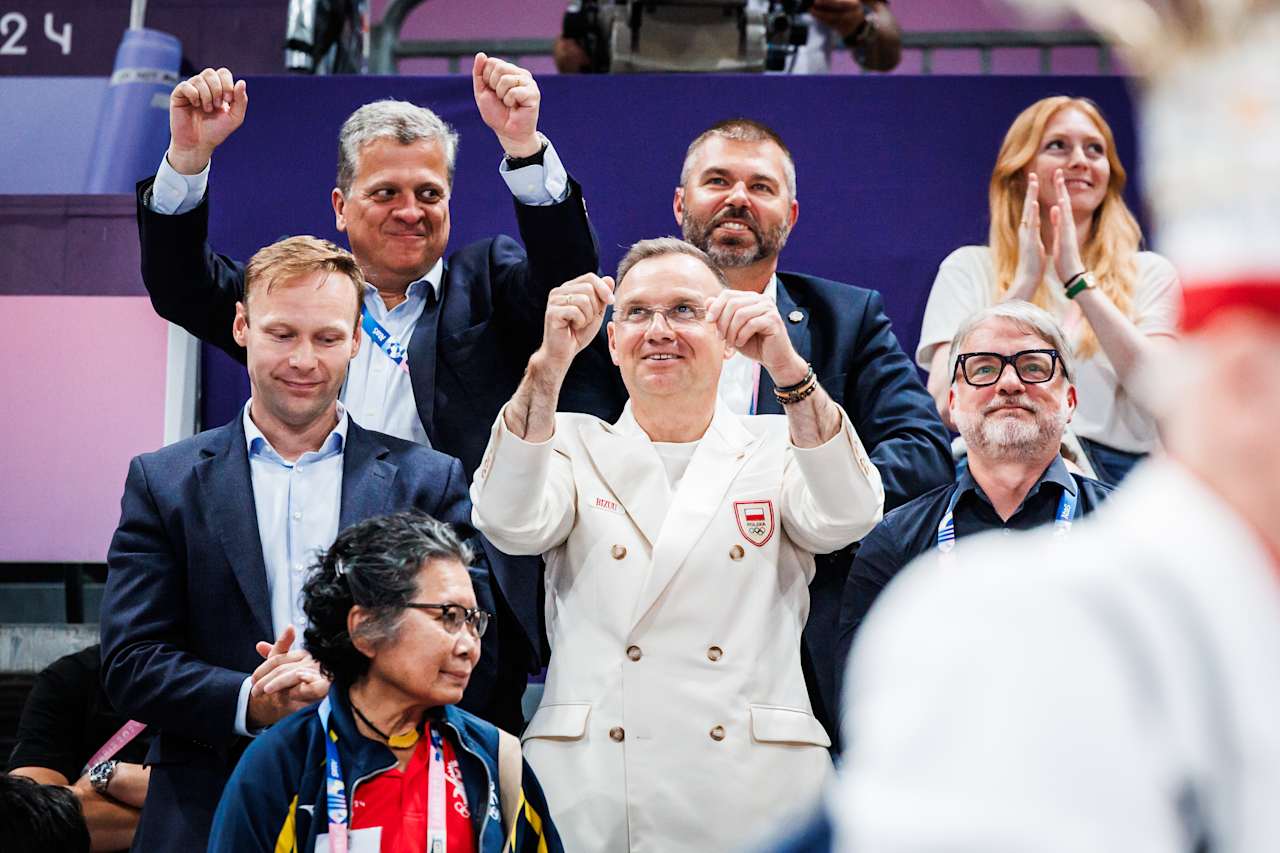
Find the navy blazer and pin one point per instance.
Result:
(186, 600)
(843, 331)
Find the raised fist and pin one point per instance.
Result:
(203, 111)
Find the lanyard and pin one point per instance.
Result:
(115, 743)
(336, 791)
(1061, 520)
(755, 389)
(384, 340)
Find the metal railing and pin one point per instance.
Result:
(386, 49)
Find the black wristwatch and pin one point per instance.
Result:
(101, 774)
(514, 163)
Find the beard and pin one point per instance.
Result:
(998, 436)
(731, 252)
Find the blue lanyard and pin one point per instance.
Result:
(336, 791)
(1061, 520)
(384, 340)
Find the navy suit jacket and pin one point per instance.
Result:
(466, 358)
(186, 600)
(844, 333)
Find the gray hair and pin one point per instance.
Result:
(658, 247)
(389, 118)
(1029, 318)
(374, 564)
(742, 130)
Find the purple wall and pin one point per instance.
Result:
(892, 170)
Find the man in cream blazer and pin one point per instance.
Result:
(679, 546)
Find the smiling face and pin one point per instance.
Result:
(661, 358)
(1012, 419)
(300, 336)
(735, 204)
(1072, 142)
(425, 664)
(396, 213)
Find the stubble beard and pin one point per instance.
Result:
(735, 253)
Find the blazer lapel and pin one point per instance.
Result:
(228, 495)
(721, 454)
(798, 331)
(629, 466)
(422, 356)
(366, 477)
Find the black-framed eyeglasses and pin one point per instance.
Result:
(1033, 366)
(454, 616)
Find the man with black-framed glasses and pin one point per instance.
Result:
(1011, 398)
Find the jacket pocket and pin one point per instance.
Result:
(774, 724)
(567, 721)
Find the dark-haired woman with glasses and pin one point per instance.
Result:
(387, 762)
(1062, 237)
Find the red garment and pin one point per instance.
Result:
(396, 800)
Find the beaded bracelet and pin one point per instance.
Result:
(795, 393)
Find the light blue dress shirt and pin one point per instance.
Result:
(377, 391)
(298, 504)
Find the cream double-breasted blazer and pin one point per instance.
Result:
(675, 715)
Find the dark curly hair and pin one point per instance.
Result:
(374, 564)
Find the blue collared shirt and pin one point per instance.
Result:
(377, 391)
(298, 504)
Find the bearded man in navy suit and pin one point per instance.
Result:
(737, 202)
(218, 531)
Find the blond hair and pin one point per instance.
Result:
(294, 257)
(1111, 249)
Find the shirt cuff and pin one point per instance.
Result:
(838, 464)
(539, 185)
(242, 709)
(173, 193)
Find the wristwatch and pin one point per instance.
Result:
(514, 163)
(101, 774)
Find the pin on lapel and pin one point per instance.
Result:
(795, 316)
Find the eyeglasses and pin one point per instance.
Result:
(1033, 366)
(453, 616)
(641, 316)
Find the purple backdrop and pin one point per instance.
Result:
(892, 170)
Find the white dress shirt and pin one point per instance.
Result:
(297, 505)
(740, 377)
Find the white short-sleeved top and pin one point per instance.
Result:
(1105, 412)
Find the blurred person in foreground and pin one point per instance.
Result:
(205, 568)
(70, 735)
(1118, 691)
(1012, 397)
(679, 544)
(387, 760)
(37, 818)
(1063, 237)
